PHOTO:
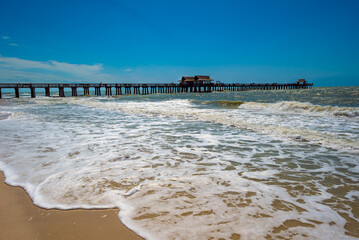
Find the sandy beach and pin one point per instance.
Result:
(20, 219)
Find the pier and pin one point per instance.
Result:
(144, 89)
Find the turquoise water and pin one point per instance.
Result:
(254, 164)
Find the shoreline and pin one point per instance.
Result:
(21, 219)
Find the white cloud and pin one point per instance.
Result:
(76, 69)
(7, 38)
(128, 70)
(16, 76)
(13, 68)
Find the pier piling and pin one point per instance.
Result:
(118, 90)
(86, 91)
(47, 91)
(61, 92)
(33, 93)
(17, 94)
(97, 91)
(108, 91)
(74, 91)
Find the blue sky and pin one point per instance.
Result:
(159, 41)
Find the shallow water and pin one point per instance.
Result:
(255, 164)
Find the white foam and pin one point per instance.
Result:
(133, 190)
(288, 127)
(260, 174)
(176, 171)
(302, 108)
(5, 115)
(353, 195)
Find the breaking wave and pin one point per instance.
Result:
(5, 115)
(303, 108)
(184, 109)
(221, 103)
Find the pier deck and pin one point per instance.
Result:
(141, 88)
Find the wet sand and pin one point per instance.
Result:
(20, 219)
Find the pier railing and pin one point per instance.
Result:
(148, 88)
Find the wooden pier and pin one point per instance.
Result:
(141, 88)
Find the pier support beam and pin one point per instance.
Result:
(0, 94)
(86, 91)
(61, 92)
(33, 93)
(97, 91)
(17, 94)
(118, 91)
(47, 92)
(153, 90)
(127, 90)
(108, 91)
(74, 91)
(145, 90)
(136, 90)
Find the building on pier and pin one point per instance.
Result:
(301, 81)
(186, 81)
(203, 80)
(198, 80)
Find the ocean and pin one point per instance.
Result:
(278, 164)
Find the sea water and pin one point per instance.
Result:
(222, 165)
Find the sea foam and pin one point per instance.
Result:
(179, 171)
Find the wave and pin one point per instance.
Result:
(302, 108)
(278, 107)
(260, 120)
(221, 103)
(186, 110)
(286, 107)
(5, 115)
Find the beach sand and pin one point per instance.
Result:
(20, 219)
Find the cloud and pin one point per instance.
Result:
(16, 69)
(128, 70)
(14, 76)
(11, 42)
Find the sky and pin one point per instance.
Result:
(138, 41)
